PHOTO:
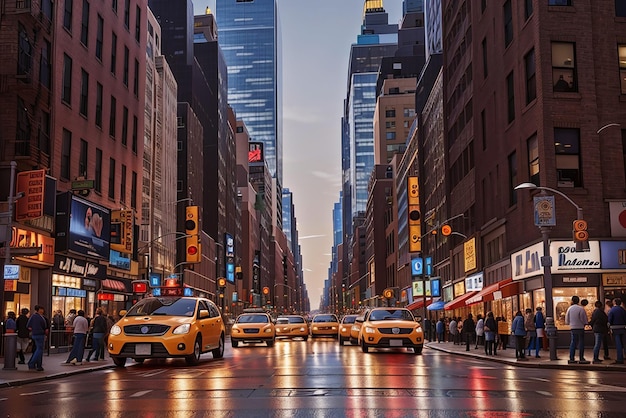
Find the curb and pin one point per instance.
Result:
(43, 377)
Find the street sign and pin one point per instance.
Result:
(416, 266)
(22, 251)
(545, 214)
(11, 272)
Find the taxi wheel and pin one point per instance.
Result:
(194, 358)
(219, 351)
(139, 360)
(234, 343)
(341, 341)
(364, 347)
(270, 343)
(119, 361)
(417, 350)
(305, 338)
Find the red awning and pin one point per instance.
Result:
(114, 285)
(419, 303)
(459, 302)
(511, 289)
(486, 294)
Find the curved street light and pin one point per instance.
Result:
(608, 125)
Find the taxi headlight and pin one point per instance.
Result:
(355, 328)
(343, 329)
(235, 331)
(182, 329)
(267, 330)
(302, 329)
(115, 330)
(315, 328)
(418, 329)
(370, 330)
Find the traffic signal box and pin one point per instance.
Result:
(580, 234)
(415, 228)
(192, 230)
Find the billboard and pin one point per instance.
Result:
(82, 226)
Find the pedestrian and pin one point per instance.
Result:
(453, 330)
(459, 328)
(38, 327)
(10, 326)
(490, 328)
(81, 326)
(617, 323)
(518, 330)
(531, 330)
(23, 335)
(98, 329)
(440, 330)
(480, 330)
(599, 325)
(540, 326)
(58, 328)
(69, 319)
(469, 329)
(576, 318)
(607, 338)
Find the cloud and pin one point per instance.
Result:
(311, 236)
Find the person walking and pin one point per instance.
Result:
(98, 329)
(453, 330)
(617, 324)
(531, 331)
(576, 318)
(23, 334)
(599, 325)
(469, 329)
(490, 328)
(440, 330)
(518, 330)
(540, 327)
(81, 326)
(480, 330)
(38, 327)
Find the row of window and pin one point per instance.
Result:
(66, 170)
(68, 12)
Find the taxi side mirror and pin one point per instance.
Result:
(123, 312)
(204, 313)
(418, 319)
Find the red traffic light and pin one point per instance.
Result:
(140, 287)
(192, 250)
(266, 290)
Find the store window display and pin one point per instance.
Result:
(562, 301)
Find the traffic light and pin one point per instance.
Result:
(446, 230)
(414, 215)
(192, 241)
(266, 290)
(238, 273)
(581, 235)
(221, 282)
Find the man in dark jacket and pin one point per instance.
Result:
(23, 334)
(617, 322)
(469, 329)
(599, 325)
(38, 327)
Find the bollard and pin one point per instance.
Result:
(10, 351)
(552, 337)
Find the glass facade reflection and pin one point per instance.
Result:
(248, 36)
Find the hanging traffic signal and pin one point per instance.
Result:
(192, 229)
(221, 282)
(238, 273)
(581, 235)
(446, 230)
(414, 216)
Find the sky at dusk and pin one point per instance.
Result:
(316, 40)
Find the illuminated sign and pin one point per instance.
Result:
(25, 238)
(82, 227)
(255, 152)
(31, 205)
(469, 251)
(122, 226)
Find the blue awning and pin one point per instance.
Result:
(436, 306)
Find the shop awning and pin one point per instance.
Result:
(437, 306)
(459, 302)
(418, 303)
(510, 289)
(115, 286)
(486, 294)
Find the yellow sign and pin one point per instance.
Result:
(24, 238)
(122, 225)
(31, 205)
(469, 252)
(413, 191)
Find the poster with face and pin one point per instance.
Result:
(89, 228)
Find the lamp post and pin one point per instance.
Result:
(546, 261)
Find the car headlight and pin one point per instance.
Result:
(418, 329)
(334, 328)
(370, 330)
(302, 329)
(267, 330)
(182, 329)
(235, 331)
(315, 328)
(115, 330)
(355, 328)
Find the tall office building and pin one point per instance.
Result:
(248, 34)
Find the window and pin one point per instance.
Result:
(409, 113)
(113, 53)
(66, 146)
(621, 54)
(112, 117)
(620, 8)
(111, 178)
(483, 127)
(46, 8)
(483, 5)
(533, 159)
(99, 105)
(22, 140)
(133, 191)
(567, 150)
(138, 24)
(44, 133)
(99, 37)
(67, 15)
(391, 136)
(559, 2)
(124, 126)
(114, 5)
(123, 185)
(528, 9)
(390, 124)
(24, 53)
(66, 87)
(624, 148)
(98, 173)
(564, 67)
(84, 92)
(135, 127)
(485, 59)
(512, 178)
(508, 23)
(126, 64)
(136, 79)
(391, 113)
(127, 14)
(84, 24)
(510, 92)
(531, 79)
(82, 160)
(45, 70)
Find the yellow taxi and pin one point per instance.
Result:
(355, 330)
(325, 325)
(253, 327)
(345, 327)
(292, 326)
(391, 328)
(167, 327)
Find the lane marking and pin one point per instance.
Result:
(34, 393)
(158, 372)
(544, 393)
(540, 379)
(140, 393)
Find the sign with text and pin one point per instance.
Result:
(122, 226)
(527, 262)
(565, 259)
(545, 214)
(31, 183)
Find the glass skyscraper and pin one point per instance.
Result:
(248, 35)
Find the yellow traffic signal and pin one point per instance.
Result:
(446, 230)
(193, 254)
(580, 230)
(221, 282)
(192, 222)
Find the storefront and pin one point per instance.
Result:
(114, 295)
(613, 270)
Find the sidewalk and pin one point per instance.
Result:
(508, 357)
(53, 369)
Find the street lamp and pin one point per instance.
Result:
(546, 260)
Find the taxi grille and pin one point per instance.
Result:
(157, 350)
(153, 329)
(251, 331)
(390, 331)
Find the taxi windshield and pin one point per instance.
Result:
(325, 318)
(349, 319)
(282, 321)
(296, 320)
(391, 315)
(164, 307)
(252, 319)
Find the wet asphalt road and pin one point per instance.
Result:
(321, 379)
